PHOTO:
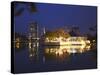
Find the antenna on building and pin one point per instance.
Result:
(44, 31)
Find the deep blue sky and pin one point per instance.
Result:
(54, 16)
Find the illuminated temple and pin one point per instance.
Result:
(70, 41)
(70, 45)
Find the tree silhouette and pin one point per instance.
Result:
(93, 28)
(18, 10)
(75, 31)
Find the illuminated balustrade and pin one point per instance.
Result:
(77, 41)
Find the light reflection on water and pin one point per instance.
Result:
(60, 50)
(63, 52)
(53, 52)
(33, 56)
(30, 57)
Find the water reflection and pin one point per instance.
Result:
(61, 53)
(60, 50)
(53, 53)
(33, 50)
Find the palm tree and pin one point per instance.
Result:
(93, 29)
(19, 9)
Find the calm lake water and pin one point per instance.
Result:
(39, 58)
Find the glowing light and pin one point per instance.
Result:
(17, 45)
(31, 55)
(17, 39)
(17, 42)
(71, 51)
(60, 52)
(87, 41)
(29, 44)
(74, 51)
(88, 47)
(93, 40)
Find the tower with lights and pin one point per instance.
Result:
(33, 31)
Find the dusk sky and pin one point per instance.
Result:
(53, 16)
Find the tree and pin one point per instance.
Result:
(50, 35)
(93, 30)
(75, 31)
(56, 34)
(61, 33)
(20, 7)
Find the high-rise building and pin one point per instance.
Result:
(33, 30)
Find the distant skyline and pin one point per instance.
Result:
(52, 16)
